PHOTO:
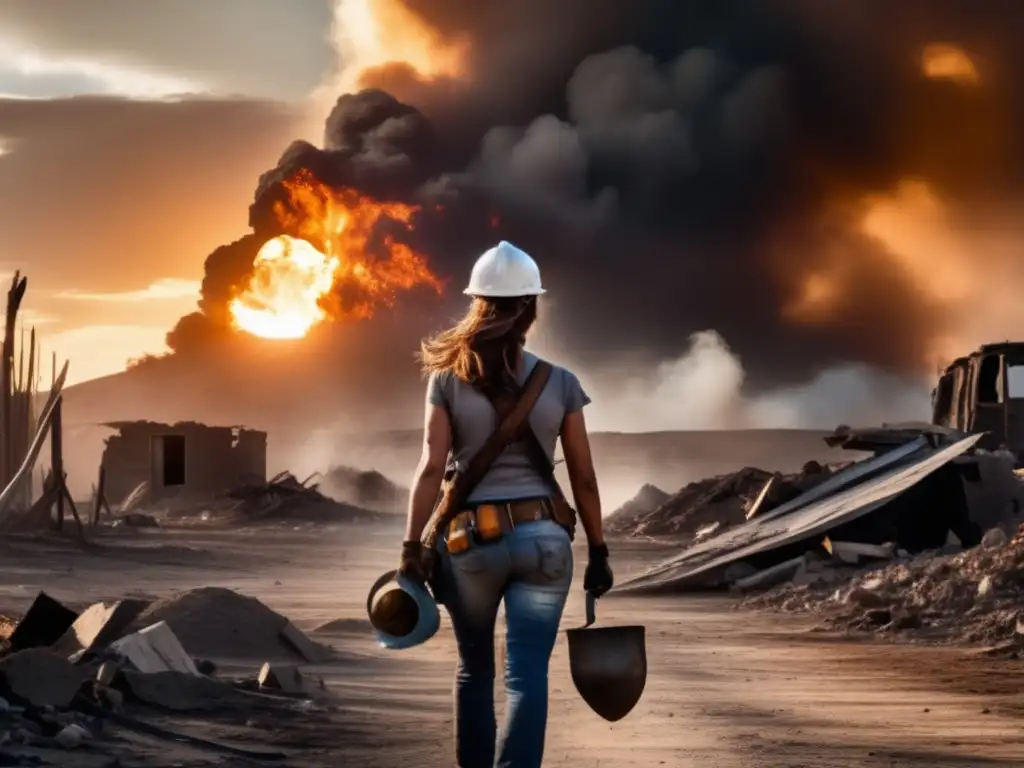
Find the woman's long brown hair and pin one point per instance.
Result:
(482, 349)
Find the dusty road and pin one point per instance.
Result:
(726, 689)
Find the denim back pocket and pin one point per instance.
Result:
(555, 558)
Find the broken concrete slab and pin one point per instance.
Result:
(296, 639)
(182, 692)
(98, 626)
(285, 678)
(155, 649)
(769, 577)
(45, 621)
(41, 677)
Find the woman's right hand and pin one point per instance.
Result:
(598, 577)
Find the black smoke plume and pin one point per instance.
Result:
(678, 164)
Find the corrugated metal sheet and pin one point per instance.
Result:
(776, 529)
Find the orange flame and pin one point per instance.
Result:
(337, 265)
(942, 61)
(375, 33)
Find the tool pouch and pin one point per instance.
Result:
(488, 526)
(460, 533)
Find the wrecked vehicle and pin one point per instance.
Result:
(984, 393)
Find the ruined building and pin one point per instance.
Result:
(984, 392)
(185, 458)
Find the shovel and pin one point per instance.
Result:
(608, 664)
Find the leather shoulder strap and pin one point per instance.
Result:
(508, 430)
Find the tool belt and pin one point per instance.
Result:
(489, 521)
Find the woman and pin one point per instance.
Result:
(530, 566)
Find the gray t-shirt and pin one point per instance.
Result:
(473, 418)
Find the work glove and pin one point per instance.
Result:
(598, 577)
(411, 564)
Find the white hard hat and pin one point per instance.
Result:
(502, 271)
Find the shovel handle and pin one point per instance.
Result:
(591, 609)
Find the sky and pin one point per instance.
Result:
(120, 121)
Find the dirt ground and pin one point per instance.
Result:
(726, 689)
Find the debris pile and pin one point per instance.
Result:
(753, 529)
(285, 497)
(712, 505)
(368, 489)
(213, 622)
(627, 518)
(974, 596)
(66, 679)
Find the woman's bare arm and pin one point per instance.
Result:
(426, 485)
(582, 477)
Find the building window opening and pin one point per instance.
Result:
(943, 400)
(988, 380)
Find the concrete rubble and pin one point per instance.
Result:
(368, 489)
(72, 679)
(281, 500)
(920, 537)
(973, 596)
(722, 502)
(918, 485)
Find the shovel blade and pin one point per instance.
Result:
(609, 668)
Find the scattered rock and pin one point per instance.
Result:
(283, 677)
(155, 649)
(98, 626)
(139, 520)
(41, 677)
(994, 538)
(72, 736)
(973, 597)
(43, 624)
(865, 598)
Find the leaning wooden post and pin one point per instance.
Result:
(98, 498)
(57, 458)
(6, 381)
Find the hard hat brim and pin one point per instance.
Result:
(500, 295)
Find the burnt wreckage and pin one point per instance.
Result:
(920, 483)
(984, 393)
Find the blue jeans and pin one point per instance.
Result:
(531, 569)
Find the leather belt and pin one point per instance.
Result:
(520, 511)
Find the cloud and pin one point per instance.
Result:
(165, 288)
(109, 194)
(34, 74)
(263, 48)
